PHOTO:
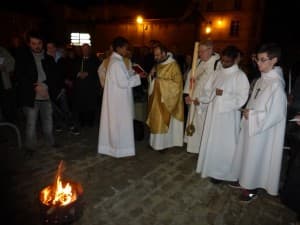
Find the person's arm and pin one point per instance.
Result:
(274, 112)
(8, 64)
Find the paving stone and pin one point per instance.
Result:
(148, 189)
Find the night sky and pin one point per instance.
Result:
(152, 8)
(281, 23)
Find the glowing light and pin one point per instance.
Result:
(220, 23)
(139, 19)
(208, 29)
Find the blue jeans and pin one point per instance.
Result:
(44, 110)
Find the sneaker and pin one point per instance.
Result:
(247, 196)
(74, 131)
(235, 185)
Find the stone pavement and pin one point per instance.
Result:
(149, 189)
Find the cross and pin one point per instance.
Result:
(257, 91)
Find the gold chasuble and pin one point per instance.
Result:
(166, 99)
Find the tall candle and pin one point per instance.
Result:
(193, 69)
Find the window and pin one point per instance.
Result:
(210, 5)
(237, 4)
(234, 28)
(80, 39)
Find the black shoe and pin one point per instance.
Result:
(56, 146)
(29, 151)
(235, 185)
(215, 181)
(163, 151)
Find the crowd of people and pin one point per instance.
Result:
(235, 121)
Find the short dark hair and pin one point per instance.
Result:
(162, 48)
(119, 42)
(273, 50)
(231, 51)
(34, 34)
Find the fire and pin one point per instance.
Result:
(60, 193)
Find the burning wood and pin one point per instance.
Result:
(60, 200)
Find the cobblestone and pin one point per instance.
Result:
(148, 189)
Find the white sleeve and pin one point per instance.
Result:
(275, 112)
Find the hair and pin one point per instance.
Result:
(50, 41)
(273, 50)
(34, 34)
(119, 42)
(154, 43)
(231, 51)
(162, 48)
(207, 43)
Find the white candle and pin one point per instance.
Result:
(193, 70)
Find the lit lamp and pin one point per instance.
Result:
(220, 23)
(208, 28)
(139, 19)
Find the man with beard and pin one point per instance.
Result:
(165, 109)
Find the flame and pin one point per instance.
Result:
(60, 193)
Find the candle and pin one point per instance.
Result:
(193, 70)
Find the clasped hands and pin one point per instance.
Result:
(82, 75)
(188, 100)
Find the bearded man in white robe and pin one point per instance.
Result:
(206, 65)
(165, 103)
(262, 134)
(225, 92)
(116, 134)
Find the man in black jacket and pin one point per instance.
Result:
(36, 74)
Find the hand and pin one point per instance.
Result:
(82, 75)
(188, 100)
(246, 113)
(196, 101)
(297, 122)
(219, 92)
(152, 72)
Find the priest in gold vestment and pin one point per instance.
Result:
(165, 102)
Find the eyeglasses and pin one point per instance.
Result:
(262, 60)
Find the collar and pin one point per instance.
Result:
(231, 69)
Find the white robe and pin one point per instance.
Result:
(202, 74)
(261, 139)
(116, 134)
(174, 136)
(221, 128)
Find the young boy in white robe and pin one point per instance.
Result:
(262, 133)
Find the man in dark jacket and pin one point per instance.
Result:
(36, 74)
(86, 92)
